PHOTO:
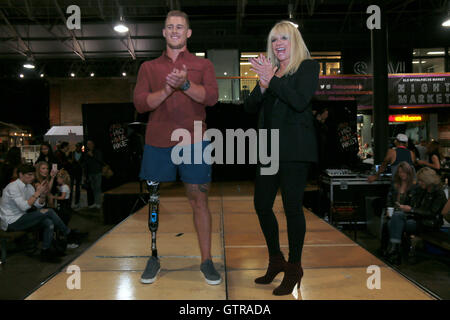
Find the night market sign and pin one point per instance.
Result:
(404, 90)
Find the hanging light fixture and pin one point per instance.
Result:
(446, 23)
(121, 27)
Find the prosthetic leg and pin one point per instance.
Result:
(153, 213)
(153, 266)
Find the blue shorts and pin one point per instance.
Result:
(159, 165)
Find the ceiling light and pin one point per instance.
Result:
(21, 75)
(92, 74)
(224, 73)
(29, 65)
(249, 56)
(72, 75)
(200, 54)
(42, 75)
(121, 28)
(446, 23)
(124, 74)
(245, 63)
(435, 52)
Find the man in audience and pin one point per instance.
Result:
(94, 164)
(21, 209)
(395, 156)
(422, 148)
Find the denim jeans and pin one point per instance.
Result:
(35, 220)
(95, 181)
(399, 224)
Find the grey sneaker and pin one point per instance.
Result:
(209, 272)
(151, 270)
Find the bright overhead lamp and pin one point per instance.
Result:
(42, 75)
(121, 28)
(446, 23)
(29, 65)
(21, 75)
(72, 75)
(431, 53)
(92, 74)
(124, 74)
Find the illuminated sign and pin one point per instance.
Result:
(405, 118)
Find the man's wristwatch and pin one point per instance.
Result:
(186, 85)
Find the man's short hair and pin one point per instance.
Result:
(178, 13)
(26, 168)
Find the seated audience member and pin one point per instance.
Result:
(9, 167)
(43, 173)
(434, 157)
(21, 209)
(425, 208)
(63, 197)
(400, 193)
(46, 154)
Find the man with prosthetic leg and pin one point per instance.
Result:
(176, 88)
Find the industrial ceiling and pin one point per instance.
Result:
(36, 29)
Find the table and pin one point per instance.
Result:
(351, 190)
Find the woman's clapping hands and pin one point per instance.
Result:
(264, 69)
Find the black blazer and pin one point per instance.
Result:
(290, 97)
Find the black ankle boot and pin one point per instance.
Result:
(276, 265)
(293, 275)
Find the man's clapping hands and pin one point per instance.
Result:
(176, 78)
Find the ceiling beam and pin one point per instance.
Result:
(100, 9)
(240, 14)
(129, 45)
(29, 10)
(75, 44)
(347, 15)
(22, 47)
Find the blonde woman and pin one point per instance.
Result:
(288, 79)
(43, 173)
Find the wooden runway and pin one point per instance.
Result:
(335, 267)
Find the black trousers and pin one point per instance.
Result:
(291, 178)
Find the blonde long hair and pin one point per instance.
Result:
(299, 51)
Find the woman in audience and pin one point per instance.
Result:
(43, 173)
(424, 211)
(400, 193)
(46, 154)
(434, 157)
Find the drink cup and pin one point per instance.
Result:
(390, 211)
